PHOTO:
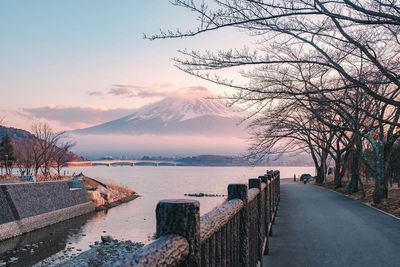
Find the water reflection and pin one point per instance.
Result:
(35, 246)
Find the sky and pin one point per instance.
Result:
(85, 62)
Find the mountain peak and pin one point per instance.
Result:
(186, 106)
(191, 113)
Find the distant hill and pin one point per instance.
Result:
(218, 160)
(18, 135)
(14, 133)
(213, 160)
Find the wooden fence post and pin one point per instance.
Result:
(264, 179)
(240, 191)
(256, 183)
(181, 217)
(279, 185)
(270, 202)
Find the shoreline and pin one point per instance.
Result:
(390, 206)
(117, 203)
(86, 164)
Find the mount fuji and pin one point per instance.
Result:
(189, 114)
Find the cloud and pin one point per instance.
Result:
(127, 90)
(121, 91)
(95, 93)
(154, 91)
(197, 89)
(76, 117)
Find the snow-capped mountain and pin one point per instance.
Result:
(183, 114)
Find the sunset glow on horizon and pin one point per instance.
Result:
(76, 64)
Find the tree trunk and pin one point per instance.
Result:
(320, 174)
(338, 174)
(355, 166)
(355, 175)
(380, 190)
(339, 169)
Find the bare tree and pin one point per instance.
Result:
(62, 156)
(329, 66)
(44, 147)
(335, 35)
(23, 154)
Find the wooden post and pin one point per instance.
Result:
(256, 183)
(240, 191)
(181, 217)
(264, 179)
(279, 186)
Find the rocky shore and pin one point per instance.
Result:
(107, 195)
(110, 252)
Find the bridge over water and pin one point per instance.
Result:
(110, 163)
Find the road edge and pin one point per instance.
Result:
(365, 204)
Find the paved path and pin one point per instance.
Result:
(318, 227)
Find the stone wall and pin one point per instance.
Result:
(6, 214)
(26, 207)
(30, 199)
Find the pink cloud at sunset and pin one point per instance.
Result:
(74, 117)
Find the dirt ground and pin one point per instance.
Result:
(390, 205)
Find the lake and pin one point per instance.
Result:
(134, 220)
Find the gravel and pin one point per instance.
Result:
(108, 253)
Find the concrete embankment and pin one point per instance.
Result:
(25, 207)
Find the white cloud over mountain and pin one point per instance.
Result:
(75, 117)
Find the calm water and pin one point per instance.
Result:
(134, 220)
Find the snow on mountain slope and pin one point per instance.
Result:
(180, 108)
(182, 114)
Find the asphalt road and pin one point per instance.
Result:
(318, 227)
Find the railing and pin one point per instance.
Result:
(233, 234)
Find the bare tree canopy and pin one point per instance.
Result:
(320, 77)
(335, 36)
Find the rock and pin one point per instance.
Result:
(2, 263)
(106, 239)
(107, 254)
(96, 197)
(13, 259)
(203, 195)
